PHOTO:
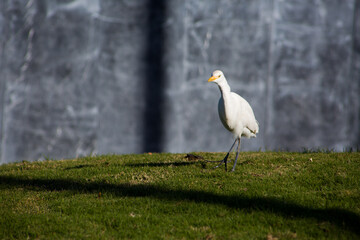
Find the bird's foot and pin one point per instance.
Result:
(225, 160)
(221, 162)
(214, 160)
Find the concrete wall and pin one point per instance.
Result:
(128, 76)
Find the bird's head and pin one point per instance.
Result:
(216, 76)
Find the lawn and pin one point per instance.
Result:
(271, 195)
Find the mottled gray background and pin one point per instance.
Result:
(79, 77)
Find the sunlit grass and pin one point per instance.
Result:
(166, 196)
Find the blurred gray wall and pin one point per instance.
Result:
(79, 77)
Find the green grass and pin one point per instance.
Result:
(165, 196)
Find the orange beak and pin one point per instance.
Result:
(213, 78)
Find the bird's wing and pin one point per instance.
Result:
(246, 114)
(222, 116)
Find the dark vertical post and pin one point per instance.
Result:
(154, 77)
(3, 79)
(356, 49)
(354, 121)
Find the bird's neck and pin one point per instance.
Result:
(226, 97)
(224, 88)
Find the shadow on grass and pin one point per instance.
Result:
(179, 164)
(150, 164)
(340, 217)
(79, 166)
(160, 164)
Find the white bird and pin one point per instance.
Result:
(235, 114)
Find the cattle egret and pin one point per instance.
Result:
(235, 114)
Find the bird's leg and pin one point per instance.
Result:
(227, 155)
(237, 155)
(225, 158)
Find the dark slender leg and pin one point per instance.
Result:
(237, 155)
(225, 158)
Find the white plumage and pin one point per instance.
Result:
(235, 114)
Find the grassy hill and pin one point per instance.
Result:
(271, 195)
